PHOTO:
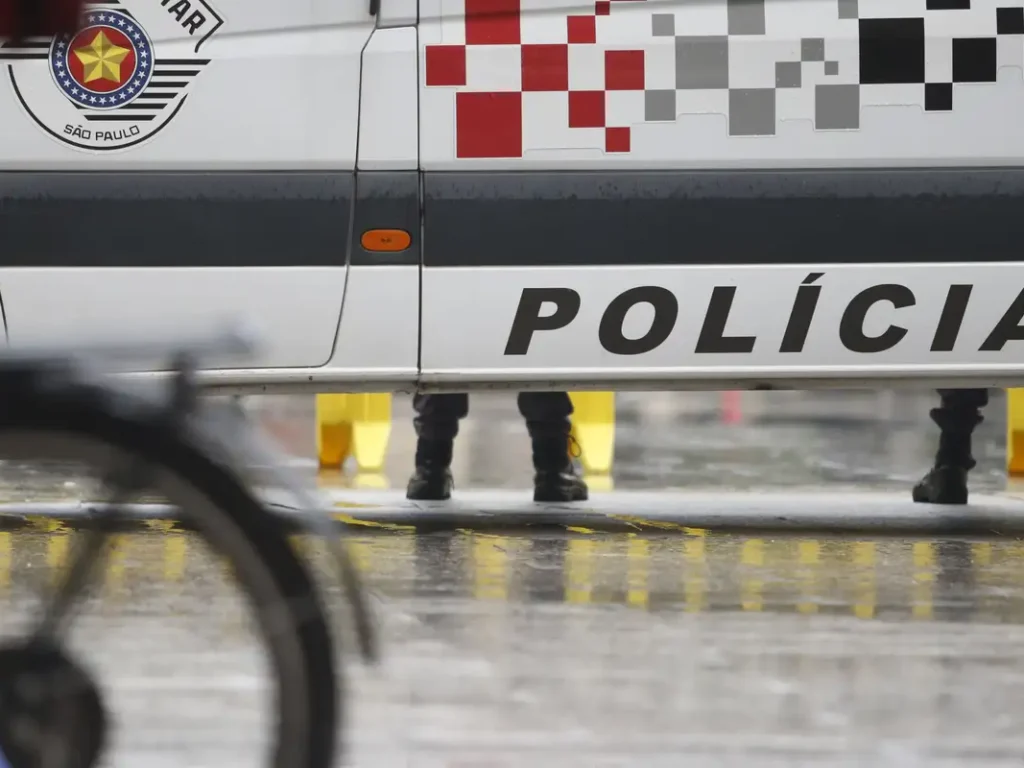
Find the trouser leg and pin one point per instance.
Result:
(437, 424)
(546, 413)
(438, 416)
(958, 414)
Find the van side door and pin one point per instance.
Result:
(378, 338)
(178, 165)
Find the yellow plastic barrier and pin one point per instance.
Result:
(356, 425)
(593, 427)
(1015, 432)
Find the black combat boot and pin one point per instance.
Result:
(946, 482)
(432, 480)
(556, 478)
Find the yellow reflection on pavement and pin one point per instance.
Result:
(115, 559)
(638, 554)
(57, 542)
(809, 558)
(695, 580)
(924, 579)
(490, 567)
(175, 556)
(5, 559)
(752, 587)
(638, 569)
(579, 570)
(865, 588)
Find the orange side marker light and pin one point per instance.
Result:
(386, 240)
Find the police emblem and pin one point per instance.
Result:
(104, 88)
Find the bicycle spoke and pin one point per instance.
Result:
(90, 547)
(75, 580)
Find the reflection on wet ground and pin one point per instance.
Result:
(585, 650)
(693, 648)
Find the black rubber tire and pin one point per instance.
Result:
(276, 582)
(72, 705)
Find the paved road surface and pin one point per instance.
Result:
(593, 650)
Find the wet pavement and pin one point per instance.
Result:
(690, 647)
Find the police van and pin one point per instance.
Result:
(456, 194)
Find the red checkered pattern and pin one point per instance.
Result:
(490, 124)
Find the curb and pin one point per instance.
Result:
(367, 513)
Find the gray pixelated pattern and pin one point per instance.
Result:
(862, 44)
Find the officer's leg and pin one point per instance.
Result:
(957, 416)
(437, 424)
(547, 420)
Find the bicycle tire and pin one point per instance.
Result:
(77, 422)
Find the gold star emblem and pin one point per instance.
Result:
(101, 59)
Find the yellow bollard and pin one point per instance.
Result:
(1015, 432)
(376, 481)
(593, 426)
(371, 430)
(333, 430)
(600, 483)
(357, 425)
